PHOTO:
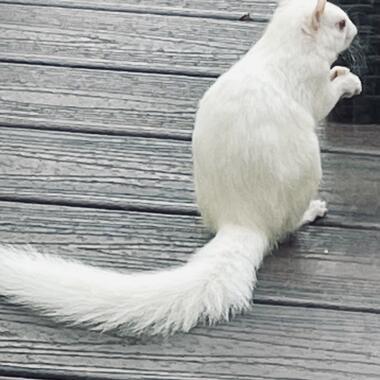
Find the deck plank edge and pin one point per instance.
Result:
(128, 68)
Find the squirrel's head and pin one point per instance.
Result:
(324, 25)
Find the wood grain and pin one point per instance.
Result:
(319, 266)
(99, 101)
(153, 174)
(112, 102)
(227, 9)
(128, 41)
(270, 342)
(117, 40)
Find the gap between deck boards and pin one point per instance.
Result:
(106, 67)
(319, 305)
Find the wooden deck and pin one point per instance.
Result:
(97, 102)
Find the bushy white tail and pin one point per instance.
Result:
(218, 280)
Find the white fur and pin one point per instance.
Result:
(156, 302)
(256, 167)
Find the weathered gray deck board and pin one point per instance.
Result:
(95, 100)
(123, 40)
(271, 342)
(228, 9)
(333, 267)
(153, 174)
(119, 40)
(131, 103)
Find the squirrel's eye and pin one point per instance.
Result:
(342, 24)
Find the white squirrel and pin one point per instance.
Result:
(257, 169)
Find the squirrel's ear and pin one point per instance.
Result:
(317, 14)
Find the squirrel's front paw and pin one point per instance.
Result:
(338, 71)
(350, 84)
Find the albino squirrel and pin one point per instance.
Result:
(256, 167)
